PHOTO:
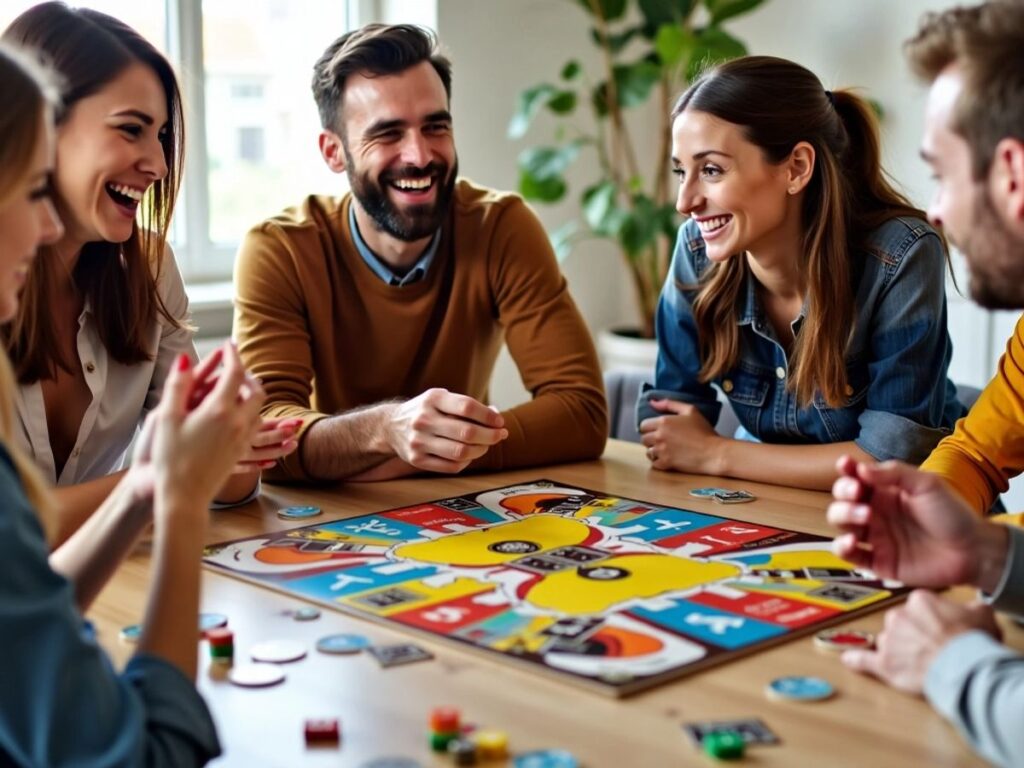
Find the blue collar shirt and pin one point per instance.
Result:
(419, 269)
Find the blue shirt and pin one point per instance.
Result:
(61, 702)
(899, 401)
(414, 275)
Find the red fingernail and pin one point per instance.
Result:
(182, 362)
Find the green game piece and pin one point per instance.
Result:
(439, 741)
(724, 745)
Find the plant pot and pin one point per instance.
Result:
(625, 349)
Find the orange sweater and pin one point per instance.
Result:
(986, 449)
(325, 334)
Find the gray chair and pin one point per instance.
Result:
(622, 388)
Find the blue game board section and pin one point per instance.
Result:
(375, 526)
(663, 523)
(710, 625)
(350, 581)
(485, 516)
(756, 559)
(494, 628)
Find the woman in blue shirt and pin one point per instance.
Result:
(61, 702)
(803, 286)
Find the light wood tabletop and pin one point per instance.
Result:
(384, 712)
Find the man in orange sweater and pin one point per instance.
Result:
(377, 317)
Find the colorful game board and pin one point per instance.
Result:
(613, 593)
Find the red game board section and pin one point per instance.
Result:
(777, 610)
(432, 516)
(720, 538)
(444, 618)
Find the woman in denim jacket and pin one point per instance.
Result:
(802, 285)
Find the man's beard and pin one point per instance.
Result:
(413, 222)
(995, 258)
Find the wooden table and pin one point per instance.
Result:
(384, 712)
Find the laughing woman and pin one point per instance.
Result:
(803, 286)
(105, 313)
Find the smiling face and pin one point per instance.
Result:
(399, 152)
(740, 201)
(109, 152)
(963, 206)
(27, 221)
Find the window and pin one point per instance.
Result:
(251, 122)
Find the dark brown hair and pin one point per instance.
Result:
(89, 49)
(776, 104)
(987, 43)
(372, 51)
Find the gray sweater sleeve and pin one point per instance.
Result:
(978, 683)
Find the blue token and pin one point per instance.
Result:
(309, 613)
(297, 513)
(546, 758)
(799, 688)
(707, 493)
(209, 621)
(131, 634)
(342, 644)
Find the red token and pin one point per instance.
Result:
(323, 730)
(219, 637)
(444, 720)
(839, 640)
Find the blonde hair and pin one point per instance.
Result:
(30, 95)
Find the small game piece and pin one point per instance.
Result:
(753, 730)
(256, 675)
(278, 651)
(308, 613)
(491, 744)
(546, 758)
(298, 513)
(400, 653)
(733, 497)
(724, 745)
(208, 621)
(222, 645)
(131, 633)
(707, 493)
(322, 731)
(445, 720)
(439, 741)
(463, 751)
(839, 640)
(799, 688)
(342, 644)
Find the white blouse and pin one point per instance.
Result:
(122, 395)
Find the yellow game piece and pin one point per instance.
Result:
(491, 744)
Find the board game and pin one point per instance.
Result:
(613, 593)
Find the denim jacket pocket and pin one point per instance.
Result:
(842, 422)
(747, 385)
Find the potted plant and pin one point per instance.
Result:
(648, 50)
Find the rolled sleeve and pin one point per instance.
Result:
(910, 403)
(978, 684)
(677, 374)
(1009, 593)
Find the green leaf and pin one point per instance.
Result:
(599, 206)
(725, 9)
(615, 42)
(658, 12)
(562, 103)
(610, 9)
(561, 239)
(542, 163)
(712, 46)
(633, 82)
(549, 190)
(640, 226)
(571, 70)
(530, 102)
(674, 44)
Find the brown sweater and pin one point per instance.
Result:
(325, 334)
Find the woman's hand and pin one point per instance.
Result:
(681, 439)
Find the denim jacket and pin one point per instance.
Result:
(900, 402)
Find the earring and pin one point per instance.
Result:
(792, 190)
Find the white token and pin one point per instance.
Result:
(255, 675)
(278, 651)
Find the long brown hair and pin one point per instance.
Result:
(778, 103)
(30, 100)
(90, 49)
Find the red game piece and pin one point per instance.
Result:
(444, 720)
(322, 731)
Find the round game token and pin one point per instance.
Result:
(256, 675)
(705, 493)
(724, 745)
(208, 621)
(297, 513)
(309, 613)
(546, 758)
(799, 688)
(839, 640)
(342, 644)
(278, 651)
(131, 634)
